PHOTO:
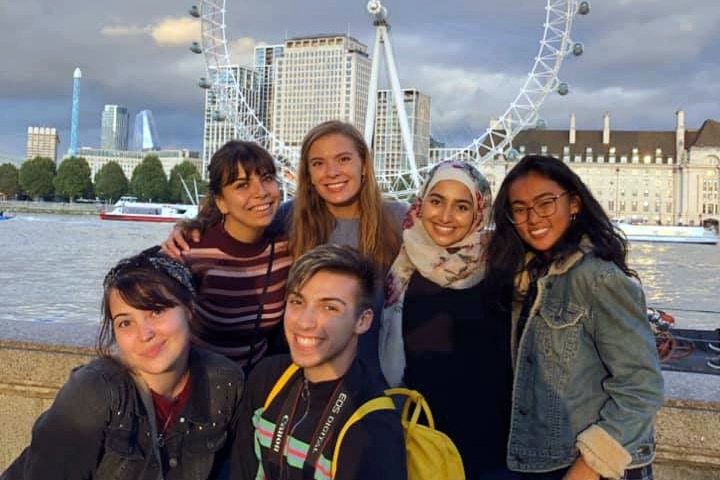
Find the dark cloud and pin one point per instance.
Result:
(643, 60)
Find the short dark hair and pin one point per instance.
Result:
(337, 259)
(149, 280)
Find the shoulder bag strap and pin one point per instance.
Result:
(280, 384)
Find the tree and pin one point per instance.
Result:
(187, 171)
(36, 177)
(149, 181)
(9, 180)
(111, 182)
(73, 179)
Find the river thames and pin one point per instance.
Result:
(53, 265)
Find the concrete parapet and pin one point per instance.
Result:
(688, 431)
(688, 438)
(30, 377)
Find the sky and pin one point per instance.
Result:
(643, 61)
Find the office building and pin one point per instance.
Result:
(42, 142)
(319, 78)
(265, 58)
(388, 147)
(129, 159)
(114, 124)
(232, 83)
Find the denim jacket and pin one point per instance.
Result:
(587, 374)
(102, 425)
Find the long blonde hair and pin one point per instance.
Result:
(312, 222)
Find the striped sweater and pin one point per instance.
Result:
(231, 276)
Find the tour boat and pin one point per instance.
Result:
(6, 215)
(668, 233)
(129, 209)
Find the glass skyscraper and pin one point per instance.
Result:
(145, 136)
(115, 122)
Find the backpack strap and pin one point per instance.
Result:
(421, 406)
(379, 403)
(280, 384)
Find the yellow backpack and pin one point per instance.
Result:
(431, 455)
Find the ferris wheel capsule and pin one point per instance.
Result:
(204, 83)
(218, 116)
(584, 8)
(377, 11)
(512, 154)
(194, 11)
(563, 88)
(578, 49)
(195, 47)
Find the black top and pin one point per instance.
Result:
(373, 448)
(457, 342)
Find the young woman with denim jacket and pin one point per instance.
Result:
(153, 406)
(587, 380)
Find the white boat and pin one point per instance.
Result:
(668, 233)
(129, 209)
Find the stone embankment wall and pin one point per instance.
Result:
(688, 431)
(51, 207)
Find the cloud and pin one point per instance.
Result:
(124, 31)
(242, 50)
(172, 32)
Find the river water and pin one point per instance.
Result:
(52, 268)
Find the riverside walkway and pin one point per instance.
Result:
(38, 357)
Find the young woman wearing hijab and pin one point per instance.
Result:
(440, 331)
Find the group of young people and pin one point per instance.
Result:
(241, 350)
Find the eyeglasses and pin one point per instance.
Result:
(542, 208)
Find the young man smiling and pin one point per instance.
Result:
(329, 305)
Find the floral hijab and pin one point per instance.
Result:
(458, 266)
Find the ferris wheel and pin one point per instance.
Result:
(543, 79)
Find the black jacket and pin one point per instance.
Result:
(373, 448)
(102, 426)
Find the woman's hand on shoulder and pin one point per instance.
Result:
(176, 245)
(580, 470)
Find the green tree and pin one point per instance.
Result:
(73, 179)
(9, 180)
(110, 182)
(36, 177)
(148, 181)
(187, 171)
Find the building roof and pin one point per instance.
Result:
(707, 136)
(647, 142)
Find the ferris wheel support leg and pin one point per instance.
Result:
(399, 105)
(372, 92)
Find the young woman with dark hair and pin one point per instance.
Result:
(587, 380)
(240, 266)
(153, 405)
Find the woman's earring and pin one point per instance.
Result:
(572, 217)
